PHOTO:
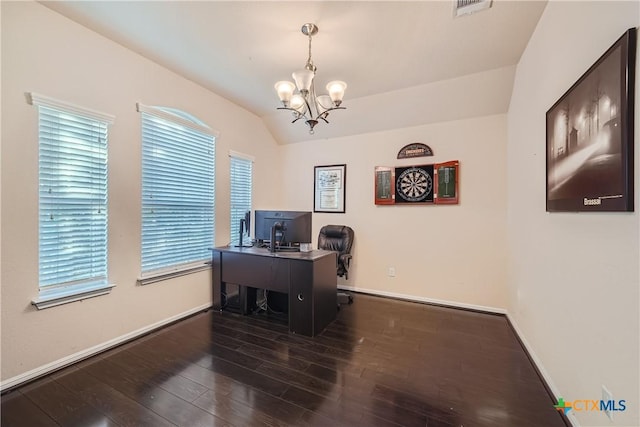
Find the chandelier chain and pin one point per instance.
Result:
(310, 65)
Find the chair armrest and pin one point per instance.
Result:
(345, 259)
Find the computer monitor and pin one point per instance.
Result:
(244, 227)
(290, 228)
(246, 221)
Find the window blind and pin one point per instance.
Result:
(241, 189)
(178, 196)
(72, 199)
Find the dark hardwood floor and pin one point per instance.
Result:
(383, 362)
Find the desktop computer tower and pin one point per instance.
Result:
(278, 302)
(232, 299)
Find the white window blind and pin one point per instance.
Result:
(72, 201)
(241, 188)
(178, 191)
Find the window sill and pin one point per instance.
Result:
(159, 277)
(54, 297)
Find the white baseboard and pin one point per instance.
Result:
(423, 299)
(81, 355)
(538, 363)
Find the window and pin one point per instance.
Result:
(241, 188)
(178, 192)
(72, 178)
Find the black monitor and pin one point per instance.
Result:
(289, 228)
(244, 226)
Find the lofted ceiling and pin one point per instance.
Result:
(405, 63)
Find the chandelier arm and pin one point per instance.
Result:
(325, 113)
(297, 113)
(333, 108)
(306, 102)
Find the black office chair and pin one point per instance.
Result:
(339, 238)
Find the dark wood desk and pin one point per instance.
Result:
(309, 278)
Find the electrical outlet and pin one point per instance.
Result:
(392, 272)
(607, 397)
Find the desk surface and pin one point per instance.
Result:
(304, 256)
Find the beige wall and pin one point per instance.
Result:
(574, 278)
(452, 254)
(44, 52)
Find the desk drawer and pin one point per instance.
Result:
(269, 273)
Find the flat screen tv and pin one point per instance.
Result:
(290, 228)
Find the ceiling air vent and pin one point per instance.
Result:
(467, 7)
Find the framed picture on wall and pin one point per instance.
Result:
(589, 143)
(329, 188)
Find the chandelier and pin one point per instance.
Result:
(304, 103)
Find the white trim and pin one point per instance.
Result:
(194, 124)
(45, 101)
(57, 296)
(538, 363)
(81, 355)
(154, 277)
(425, 300)
(239, 155)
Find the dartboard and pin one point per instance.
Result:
(414, 184)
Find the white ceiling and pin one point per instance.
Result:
(395, 56)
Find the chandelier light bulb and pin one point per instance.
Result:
(324, 101)
(303, 79)
(285, 91)
(297, 103)
(336, 91)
